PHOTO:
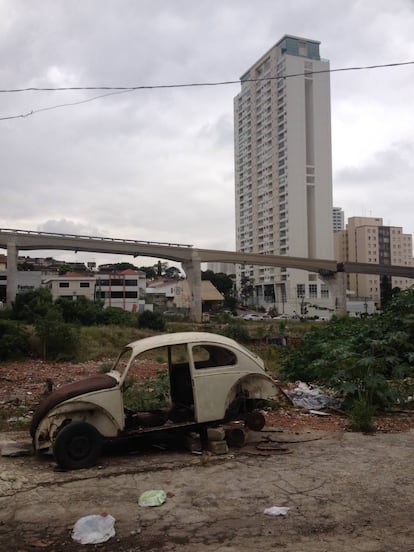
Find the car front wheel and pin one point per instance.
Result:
(77, 445)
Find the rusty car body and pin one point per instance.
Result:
(212, 379)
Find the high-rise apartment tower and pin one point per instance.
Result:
(283, 171)
(338, 219)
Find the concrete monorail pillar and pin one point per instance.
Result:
(336, 283)
(193, 272)
(11, 274)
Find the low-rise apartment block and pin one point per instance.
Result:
(124, 290)
(367, 240)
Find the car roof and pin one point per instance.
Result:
(179, 338)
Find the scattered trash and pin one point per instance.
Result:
(311, 398)
(319, 413)
(14, 448)
(41, 544)
(16, 419)
(276, 511)
(94, 529)
(152, 498)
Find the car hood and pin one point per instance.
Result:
(69, 391)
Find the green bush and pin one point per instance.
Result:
(236, 330)
(362, 414)
(58, 340)
(13, 340)
(359, 357)
(151, 320)
(149, 395)
(116, 316)
(32, 304)
(272, 357)
(80, 311)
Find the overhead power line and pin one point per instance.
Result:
(188, 85)
(113, 90)
(67, 104)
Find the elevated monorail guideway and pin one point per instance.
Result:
(332, 272)
(31, 240)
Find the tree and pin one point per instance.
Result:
(224, 284)
(385, 290)
(116, 316)
(32, 304)
(173, 273)
(82, 310)
(150, 271)
(246, 288)
(58, 341)
(13, 340)
(116, 267)
(160, 268)
(221, 281)
(64, 269)
(151, 320)
(25, 266)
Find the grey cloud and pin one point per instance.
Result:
(64, 226)
(381, 187)
(158, 164)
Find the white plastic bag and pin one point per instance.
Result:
(276, 511)
(94, 529)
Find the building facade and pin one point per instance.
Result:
(26, 281)
(283, 172)
(338, 219)
(367, 240)
(124, 290)
(71, 286)
(175, 295)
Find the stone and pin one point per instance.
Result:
(216, 433)
(218, 447)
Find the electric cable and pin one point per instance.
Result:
(114, 90)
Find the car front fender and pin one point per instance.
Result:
(78, 411)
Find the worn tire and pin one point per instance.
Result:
(77, 445)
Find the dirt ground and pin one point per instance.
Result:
(345, 491)
(22, 385)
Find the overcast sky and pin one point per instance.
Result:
(159, 164)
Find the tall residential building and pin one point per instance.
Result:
(367, 240)
(283, 171)
(338, 219)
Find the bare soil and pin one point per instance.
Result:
(345, 491)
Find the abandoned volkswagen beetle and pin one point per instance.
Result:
(212, 379)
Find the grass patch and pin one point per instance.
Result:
(14, 419)
(362, 416)
(272, 356)
(99, 342)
